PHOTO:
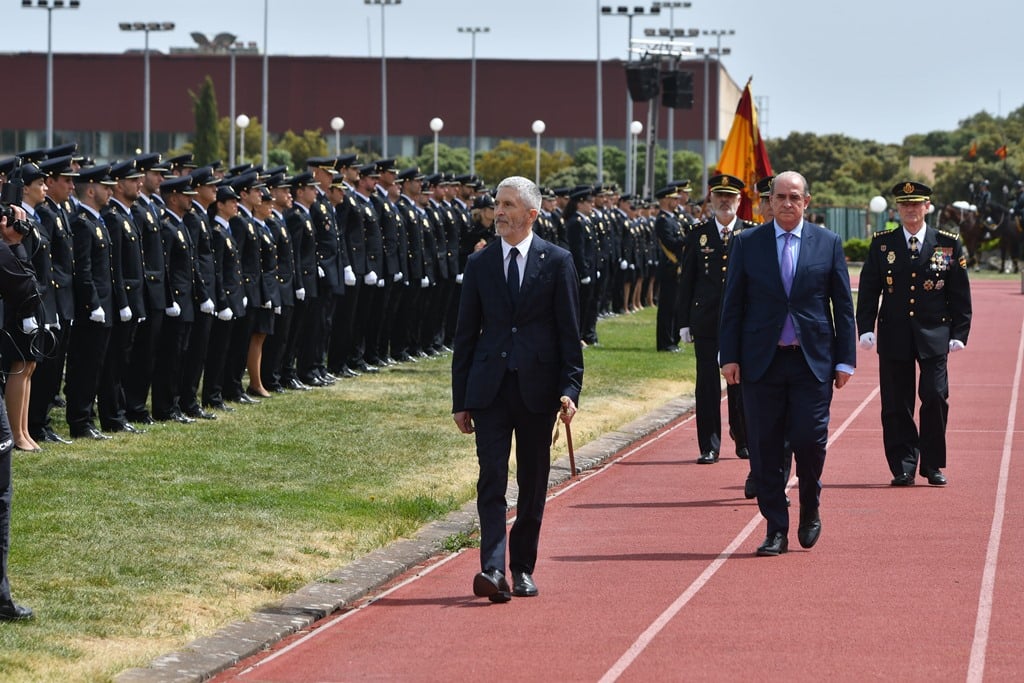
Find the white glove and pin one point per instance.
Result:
(55, 326)
(142, 320)
(370, 278)
(245, 302)
(632, 266)
(125, 314)
(29, 325)
(623, 264)
(955, 345)
(173, 311)
(98, 316)
(300, 293)
(225, 314)
(867, 340)
(268, 305)
(206, 306)
(585, 281)
(458, 279)
(320, 272)
(350, 276)
(684, 335)
(277, 310)
(599, 275)
(380, 282)
(425, 282)
(398, 277)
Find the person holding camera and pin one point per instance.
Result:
(20, 295)
(20, 347)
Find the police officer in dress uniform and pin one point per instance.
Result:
(303, 240)
(705, 258)
(920, 274)
(669, 235)
(274, 346)
(94, 302)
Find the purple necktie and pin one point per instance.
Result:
(788, 330)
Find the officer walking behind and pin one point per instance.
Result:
(669, 235)
(699, 305)
(925, 314)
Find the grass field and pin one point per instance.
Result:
(133, 547)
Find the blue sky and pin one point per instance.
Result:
(870, 69)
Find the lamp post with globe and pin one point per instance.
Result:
(436, 125)
(538, 128)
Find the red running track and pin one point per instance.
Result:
(647, 568)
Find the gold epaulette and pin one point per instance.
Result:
(880, 233)
(951, 235)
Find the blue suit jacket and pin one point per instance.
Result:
(543, 330)
(755, 305)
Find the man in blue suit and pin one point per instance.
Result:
(517, 361)
(788, 323)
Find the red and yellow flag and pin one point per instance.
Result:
(1001, 152)
(973, 151)
(743, 154)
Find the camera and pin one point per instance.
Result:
(11, 194)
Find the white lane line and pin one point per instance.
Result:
(645, 638)
(976, 667)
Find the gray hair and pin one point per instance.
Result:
(525, 188)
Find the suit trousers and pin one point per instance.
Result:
(904, 443)
(193, 361)
(139, 374)
(168, 372)
(495, 426)
(46, 380)
(668, 287)
(708, 400)
(216, 359)
(788, 406)
(81, 383)
(116, 367)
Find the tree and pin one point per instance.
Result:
(206, 147)
(518, 158)
(453, 160)
(253, 140)
(301, 147)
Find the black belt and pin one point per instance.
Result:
(789, 347)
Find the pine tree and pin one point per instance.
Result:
(207, 146)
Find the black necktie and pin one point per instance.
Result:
(513, 274)
(914, 252)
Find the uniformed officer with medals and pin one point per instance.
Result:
(705, 258)
(920, 276)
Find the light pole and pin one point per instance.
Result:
(623, 11)
(337, 123)
(538, 128)
(600, 103)
(383, 75)
(49, 6)
(436, 125)
(242, 122)
(146, 27)
(717, 33)
(232, 49)
(670, 129)
(635, 128)
(266, 85)
(472, 31)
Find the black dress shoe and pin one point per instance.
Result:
(53, 437)
(492, 585)
(221, 405)
(348, 372)
(743, 453)
(132, 429)
(709, 458)
(810, 527)
(903, 480)
(295, 385)
(670, 349)
(200, 414)
(774, 544)
(90, 432)
(363, 366)
(750, 487)
(15, 612)
(523, 585)
(934, 477)
(247, 399)
(403, 357)
(181, 418)
(143, 419)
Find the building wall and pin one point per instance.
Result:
(98, 100)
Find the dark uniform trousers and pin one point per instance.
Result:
(343, 338)
(89, 341)
(192, 363)
(167, 374)
(272, 367)
(897, 394)
(708, 398)
(111, 396)
(216, 358)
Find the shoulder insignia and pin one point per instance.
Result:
(181, 237)
(951, 235)
(880, 233)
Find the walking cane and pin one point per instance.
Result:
(568, 439)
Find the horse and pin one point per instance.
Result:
(1003, 225)
(961, 217)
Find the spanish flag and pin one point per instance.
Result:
(1001, 152)
(744, 154)
(973, 151)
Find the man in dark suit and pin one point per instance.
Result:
(787, 322)
(670, 253)
(921, 276)
(517, 358)
(699, 303)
